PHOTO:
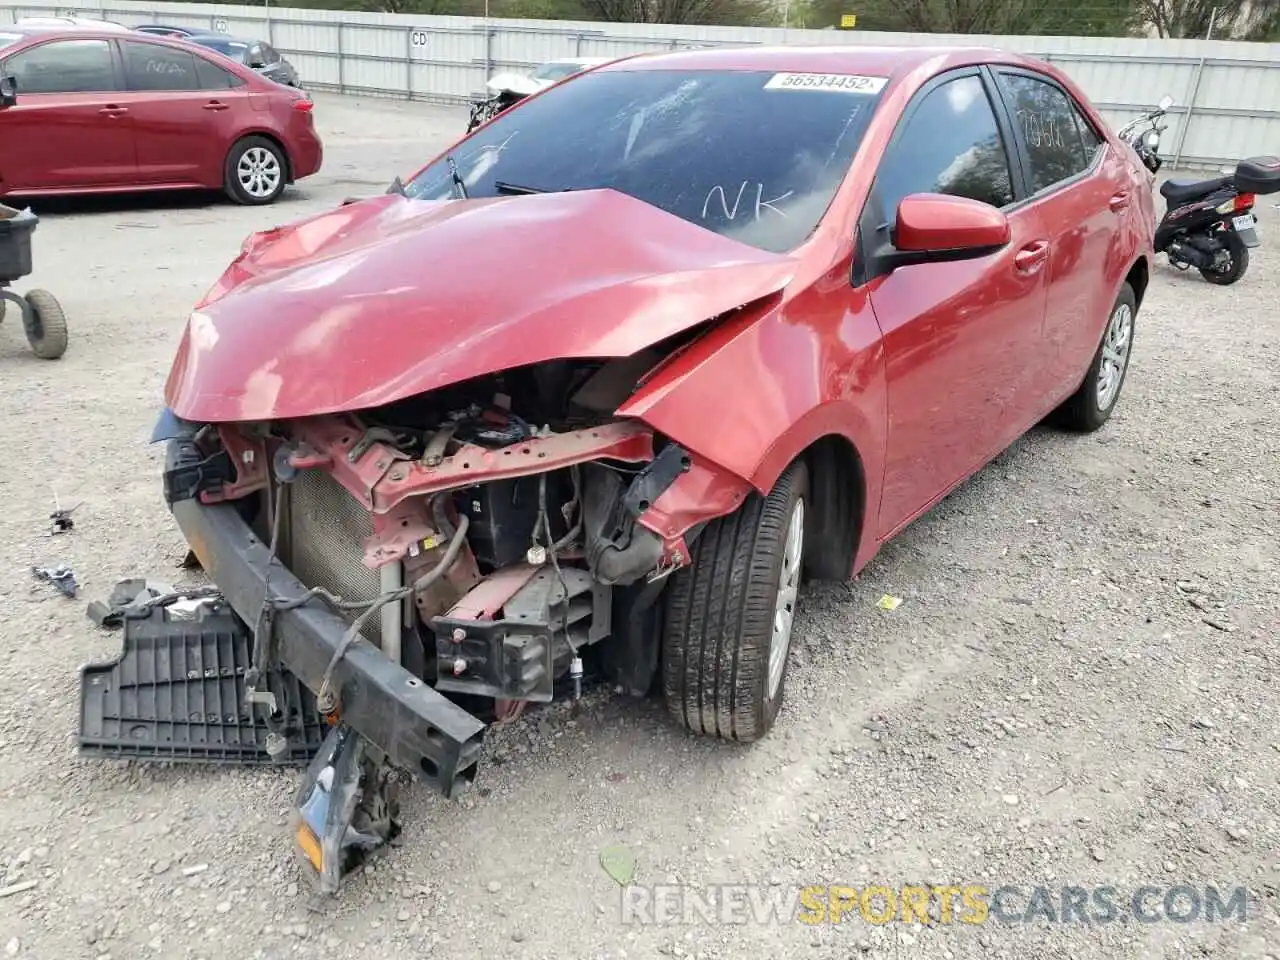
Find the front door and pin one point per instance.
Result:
(961, 339)
(69, 128)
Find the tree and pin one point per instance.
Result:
(728, 12)
(1243, 19)
(1094, 17)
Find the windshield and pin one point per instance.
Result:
(555, 71)
(754, 156)
(8, 38)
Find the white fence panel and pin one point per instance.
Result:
(1227, 93)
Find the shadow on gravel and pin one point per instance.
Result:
(161, 201)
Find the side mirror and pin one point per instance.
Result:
(934, 228)
(1165, 103)
(8, 91)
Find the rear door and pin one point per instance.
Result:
(1081, 190)
(184, 108)
(962, 340)
(69, 128)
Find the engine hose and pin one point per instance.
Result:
(324, 696)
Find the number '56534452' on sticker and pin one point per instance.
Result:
(841, 82)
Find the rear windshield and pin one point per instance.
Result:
(8, 38)
(755, 156)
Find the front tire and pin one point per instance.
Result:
(1234, 268)
(730, 612)
(256, 172)
(1091, 405)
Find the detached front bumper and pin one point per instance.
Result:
(419, 729)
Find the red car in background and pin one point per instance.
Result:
(97, 111)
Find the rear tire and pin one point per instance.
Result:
(256, 172)
(1091, 405)
(48, 335)
(1236, 268)
(723, 674)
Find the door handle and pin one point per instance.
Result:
(1118, 202)
(215, 105)
(112, 110)
(1031, 257)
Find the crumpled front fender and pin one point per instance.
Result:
(757, 391)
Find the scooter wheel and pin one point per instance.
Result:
(47, 332)
(1235, 269)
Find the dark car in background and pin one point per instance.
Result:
(166, 30)
(99, 111)
(257, 55)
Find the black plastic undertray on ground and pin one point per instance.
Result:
(176, 693)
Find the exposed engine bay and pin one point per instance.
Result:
(485, 537)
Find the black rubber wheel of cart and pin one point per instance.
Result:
(48, 331)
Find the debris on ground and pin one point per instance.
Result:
(60, 520)
(888, 602)
(61, 576)
(15, 888)
(620, 863)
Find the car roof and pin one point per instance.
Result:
(89, 33)
(63, 24)
(65, 33)
(861, 59)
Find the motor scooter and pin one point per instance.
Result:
(1208, 224)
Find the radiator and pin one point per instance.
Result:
(324, 547)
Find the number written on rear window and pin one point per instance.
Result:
(64, 66)
(950, 145)
(152, 67)
(1050, 126)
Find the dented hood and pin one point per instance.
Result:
(383, 299)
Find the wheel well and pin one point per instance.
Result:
(279, 144)
(1138, 277)
(837, 489)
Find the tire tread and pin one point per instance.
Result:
(719, 618)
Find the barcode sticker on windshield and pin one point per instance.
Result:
(842, 82)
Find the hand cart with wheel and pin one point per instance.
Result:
(42, 317)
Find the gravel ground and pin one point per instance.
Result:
(1049, 706)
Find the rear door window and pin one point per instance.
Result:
(1052, 130)
(64, 66)
(151, 67)
(213, 77)
(950, 145)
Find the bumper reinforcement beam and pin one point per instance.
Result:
(419, 729)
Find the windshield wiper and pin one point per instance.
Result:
(503, 187)
(460, 188)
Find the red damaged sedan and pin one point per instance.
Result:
(610, 379)
(97, 111)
